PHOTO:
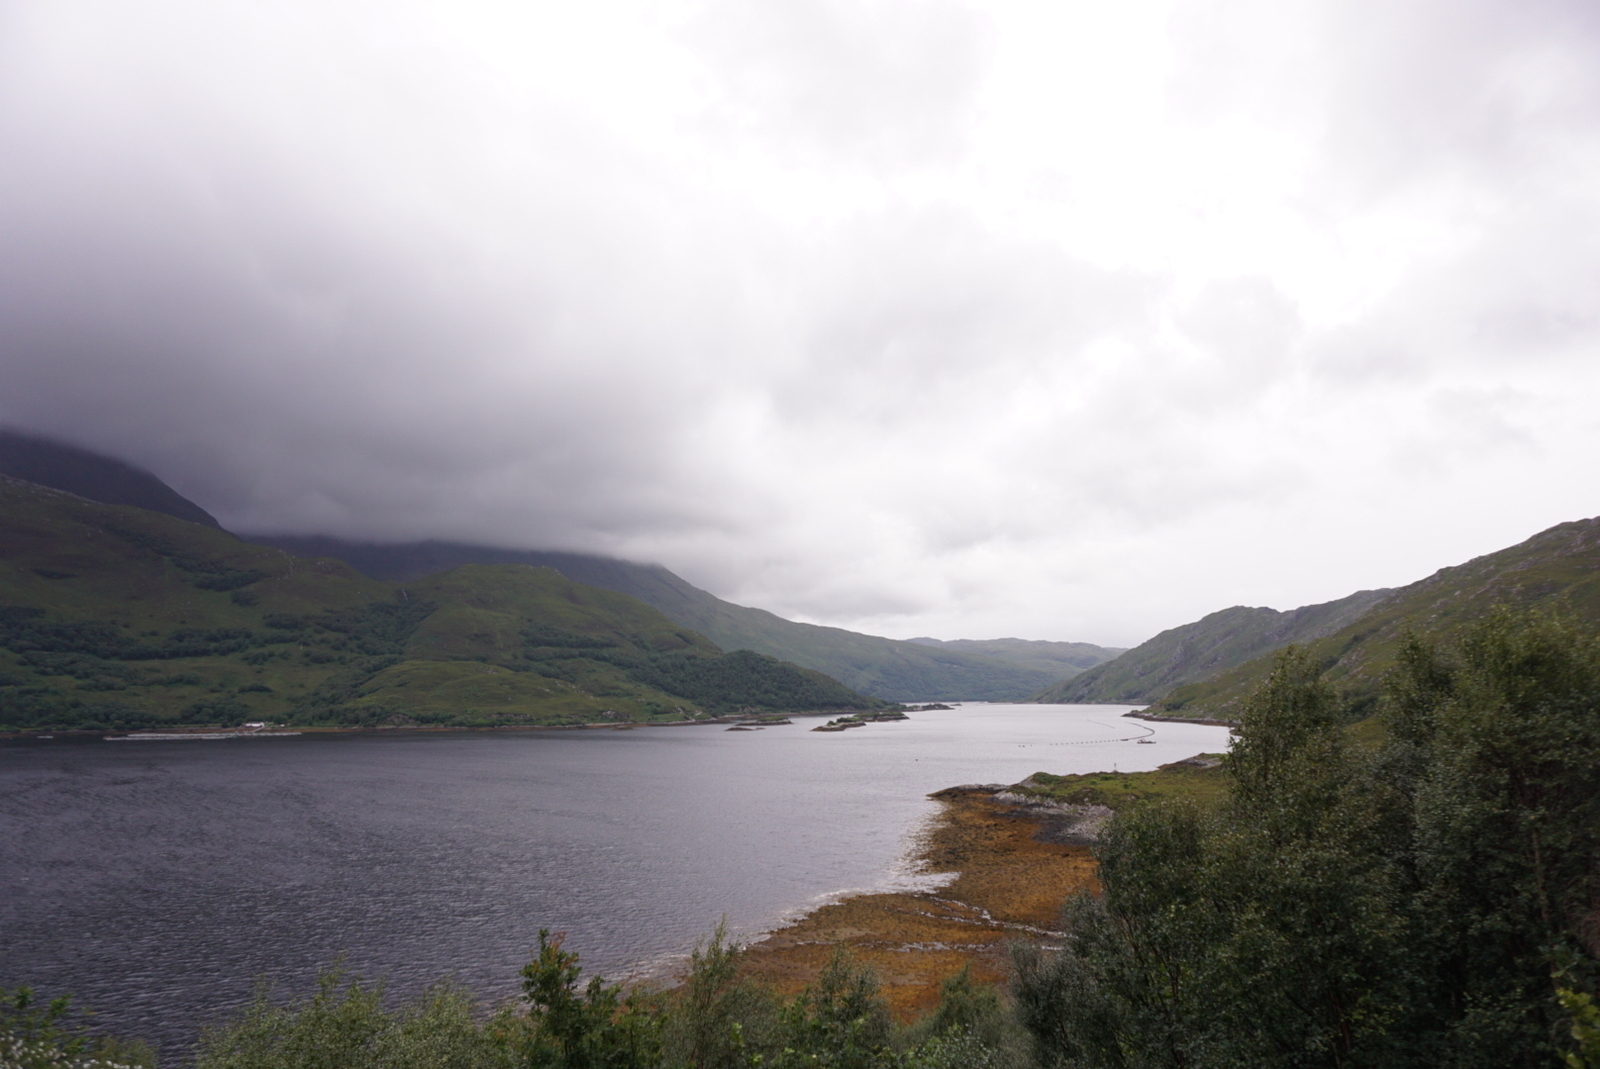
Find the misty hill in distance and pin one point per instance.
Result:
(1212, 644)
(916, 670)
(91, 475)
(1556, 570)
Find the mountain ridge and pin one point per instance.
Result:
(1557, 569)
(1215, 643)
(92, 475)
(1069, 658)
(887, 668)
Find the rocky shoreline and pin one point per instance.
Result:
(1014, 859)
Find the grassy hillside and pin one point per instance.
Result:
(1063, 660)
(1557, 569)
(882, 667)
(118, 617)
(1201, 781)
(1215, 643)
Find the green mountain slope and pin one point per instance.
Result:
(1004, 669)
(881, 667)
(98, 478)
(1063, 660)
(1212, 644)
(119, 617)
(1557, 569)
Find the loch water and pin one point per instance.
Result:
(159, 882)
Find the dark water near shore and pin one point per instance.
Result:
(159, 880)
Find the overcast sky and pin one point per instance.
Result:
(1067, 320)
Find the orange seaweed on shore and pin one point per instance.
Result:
(1010, 884)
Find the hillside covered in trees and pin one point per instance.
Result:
(911, 670)
(116, 617)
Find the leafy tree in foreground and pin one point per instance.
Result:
(717, 1020)
(594, 1027)
(1507, 836)
(1404, 907)
(840, 1021)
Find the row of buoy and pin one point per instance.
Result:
(1095, 742)
(1084, 742)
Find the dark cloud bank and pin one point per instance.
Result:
(849, 311)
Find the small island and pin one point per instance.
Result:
(861, 720)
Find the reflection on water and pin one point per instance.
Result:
(159, 880)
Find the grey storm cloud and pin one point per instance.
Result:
(1062, 320)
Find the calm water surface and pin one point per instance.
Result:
(159, 880)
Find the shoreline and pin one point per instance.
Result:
(754, 719)
(1012, 871)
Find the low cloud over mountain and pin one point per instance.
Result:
(1058, 321)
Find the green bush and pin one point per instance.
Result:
(345, 1025)
(715, 1019)
(34, 1036)
(596, 1026)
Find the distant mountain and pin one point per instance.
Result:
(1557, 569)
(1197, 651)
(98, 478)
(1063, 659)
(880, 667)
(115, 617)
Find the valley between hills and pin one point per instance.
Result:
(1385, 741)
(124, 605)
